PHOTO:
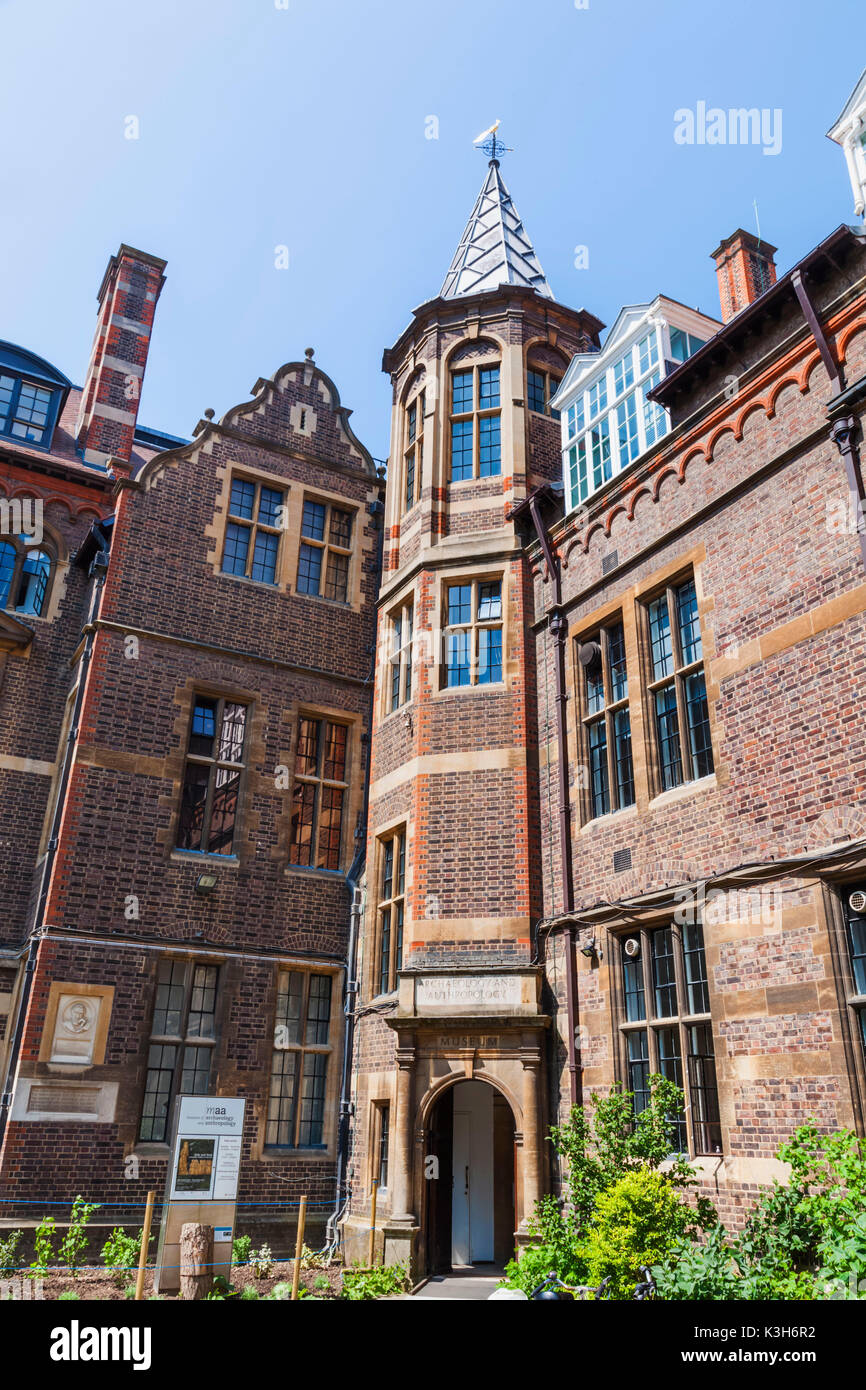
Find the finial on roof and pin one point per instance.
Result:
(309, 353)
(488, 142)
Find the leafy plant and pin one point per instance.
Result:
(280, 1292)
(262, 1262)
(121, 1251)
(241, 1247)
(604, 1141)
(43, 1246)
(249, 1291)
(383, 1281)
(699, 1273)
(9, 1254)
(638, 1220)
(554, 1247)
(129, 1291)
(74, 1242)
(68, 1296)
(322, 1281)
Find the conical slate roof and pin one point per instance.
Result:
(494, 249)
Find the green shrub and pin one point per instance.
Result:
(74, 1242)
(249, 1291)
(555, 1247)
(381, 1282)
(280, 1292)
(698, 1273)
(68, 1296)
(241, 1247)
(9, 1254)
(637, 1223)
(43, 1246)
(322, 1281)
(121, 1251)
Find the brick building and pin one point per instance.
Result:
(602, 637)
(187, 659)
(617, 819)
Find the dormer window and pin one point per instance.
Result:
(27, 411)
(25, 572)
(32, 395)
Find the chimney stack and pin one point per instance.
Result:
(745, 269)
(127, 298)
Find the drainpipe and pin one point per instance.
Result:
(98, 569)
(558, 627)
(843, 430)
(341, 1193)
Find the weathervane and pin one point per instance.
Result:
(489, 144)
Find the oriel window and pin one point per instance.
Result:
(182, 1040)
(473, 633)
(326, 549)
(253, 530)
(413, 457)
(605, 722)
(391, 910)
(677, 688)
(212, 776)
(319, 796)
(299, 1066)
(476, 449)
(666, 1028)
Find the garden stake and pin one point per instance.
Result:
(372, 1252)
(299, 1246)
(145, 1241)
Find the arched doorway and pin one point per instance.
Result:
(470, 1212)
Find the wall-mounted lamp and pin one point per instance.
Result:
(591, 949)
(205, 884)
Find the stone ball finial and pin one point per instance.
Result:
(209, 414)
(309, 353)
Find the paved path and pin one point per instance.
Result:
(474, 1282)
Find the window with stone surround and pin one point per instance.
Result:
(182, 1040)
(325, 550)
(413, 453)
(212, 776)
(665, 1028)
(472, 635)
(676, 688)
(476, 448)
(381, 1138)
(541, 386)
(254, 526)
(399, 683)
(854, 898)
(299, 1065)
(605, 722)
(390, 911)
(320, 793)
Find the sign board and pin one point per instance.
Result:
(206, 1157)
(202, 1181)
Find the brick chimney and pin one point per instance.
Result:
(127, 298)
(745, 268)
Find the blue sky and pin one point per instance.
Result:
(304, 126)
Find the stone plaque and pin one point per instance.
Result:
(75, 1029)
(467, 993)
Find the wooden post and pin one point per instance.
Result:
(145, 1241)
(372, 1252)
(299, 1248)
(196, 1269)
